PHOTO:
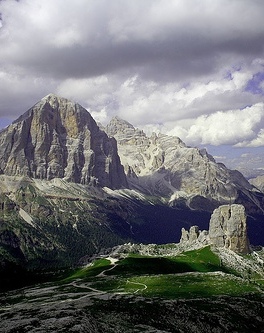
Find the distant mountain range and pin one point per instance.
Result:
(164, 166)
(258, 182)
(69, 188)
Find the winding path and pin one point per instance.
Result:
(112, 262)
(139, 284)
(96, 292)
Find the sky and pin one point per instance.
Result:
(190, 68)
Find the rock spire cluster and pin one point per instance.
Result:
(227, 229)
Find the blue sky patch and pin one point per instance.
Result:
(254, 85)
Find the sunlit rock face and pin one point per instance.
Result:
(163, 165)
(57, 138)
(228, 228)
(194, 238)
(258, 182)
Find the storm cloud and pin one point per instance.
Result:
(191, 68)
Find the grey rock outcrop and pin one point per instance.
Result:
(191, 235)
(194, 236)
(228, 228)
(163, 165)
(184, 235)
(258, 182)
(57, 138)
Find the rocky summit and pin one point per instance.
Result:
(163, 165)
(102, 211)
(57, 138)
(69, 188)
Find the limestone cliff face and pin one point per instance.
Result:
(163, 165)
(59, 139)
(228, 228)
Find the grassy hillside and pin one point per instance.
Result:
(190, 292)
(197, 273)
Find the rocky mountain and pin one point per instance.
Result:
(163, 165)
(258, 182)
(57, 138)
(68, 189)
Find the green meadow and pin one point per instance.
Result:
(192, 274)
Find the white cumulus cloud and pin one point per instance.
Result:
(229, 127)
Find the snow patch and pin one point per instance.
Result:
(26, 217)
(125, 193)
(178, 194)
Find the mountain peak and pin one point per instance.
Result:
(50, 95)
(58, 138)
(53, 98)
(57, 102)
(118, 125)
(163, 165)
(50, 108)
(120, 121)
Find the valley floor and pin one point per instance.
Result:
(189, 292)
(77, 307)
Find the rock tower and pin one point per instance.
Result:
(227, 229)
